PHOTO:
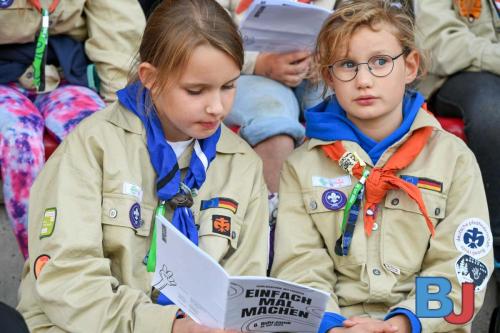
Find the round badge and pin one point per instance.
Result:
(472, 270)
(334, 199)
(135, 215)
(5, 3)
(473, 237)
(40, 261)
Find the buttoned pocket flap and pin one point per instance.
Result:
(124, 211)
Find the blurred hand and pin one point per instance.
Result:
(287, 68)
(188, 325)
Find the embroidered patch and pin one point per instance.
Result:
(49, 222)
(425, 183)
(473, 237)
(472, 270)
(337, 182)
(40, 261)
(226, 203)
(221, 225)
(469, 9)
(135, 215)
(333, 199)
(133, 190)
(6, 3)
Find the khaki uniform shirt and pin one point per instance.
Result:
(379, 272)
(95, 280)
(111, 31)
(455, 43)
(251, 56)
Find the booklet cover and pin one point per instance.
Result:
(200, 287)
(281, 26)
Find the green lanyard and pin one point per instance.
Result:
(353, 196)
(151, 259)
(41, 52)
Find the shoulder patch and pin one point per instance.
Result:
(221, 225)
(49, 222)
(40, 262)
(473, 237)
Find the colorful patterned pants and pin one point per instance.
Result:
(23, 118)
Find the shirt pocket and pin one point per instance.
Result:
(126, 224)
(327, 218)
(405, 234)
(219, 232)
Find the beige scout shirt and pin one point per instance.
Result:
(379, 272)
(111, 30)
(95, 280)
(250, 56)
(456, 44)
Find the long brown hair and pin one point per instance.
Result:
(176, 27)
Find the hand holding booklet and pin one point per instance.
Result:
(281, 26)
(200, 287)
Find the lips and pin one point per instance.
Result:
(209, 125)
(365, 100)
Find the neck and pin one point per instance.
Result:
(381, 127)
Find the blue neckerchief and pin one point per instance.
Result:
(328, 122)
(164, 161)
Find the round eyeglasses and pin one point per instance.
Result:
(379, 65)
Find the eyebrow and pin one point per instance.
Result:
(372, 54)
(196, 84)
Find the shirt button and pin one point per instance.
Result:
(437, 211)
(369, 212)
(376, 272)
(313, 204)
(112, 213)
(375, 226)
(233, 235)
(395, 201)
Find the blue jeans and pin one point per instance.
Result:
(264, 108)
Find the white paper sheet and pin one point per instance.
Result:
(281, 26)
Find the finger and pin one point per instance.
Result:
(349, 323)
(298, 69)
(292, 80)
(297, 56)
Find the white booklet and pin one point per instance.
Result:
(281, 26)
(200, 287)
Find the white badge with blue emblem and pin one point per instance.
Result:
(135, 215)
(473, 237)
(334, 199)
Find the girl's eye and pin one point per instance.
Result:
(228, 86)
(380, 61)
(193, 92)
(347, 64)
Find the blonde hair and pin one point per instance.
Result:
(351, 15)
(176, 27)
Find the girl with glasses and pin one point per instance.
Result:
(380, 194)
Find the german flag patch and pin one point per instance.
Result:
(220, 202)
(425, 183)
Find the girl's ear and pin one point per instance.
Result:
(147, 74)
(327, 77)
(412, 63)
